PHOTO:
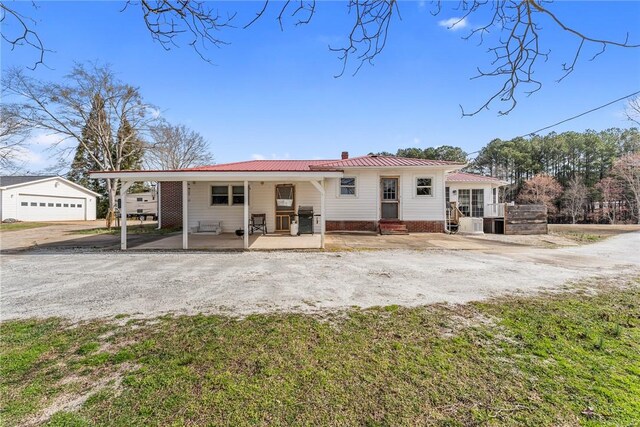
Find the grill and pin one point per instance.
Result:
(305, 219)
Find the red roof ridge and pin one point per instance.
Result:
(375, 160)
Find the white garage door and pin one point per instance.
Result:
(47, 208)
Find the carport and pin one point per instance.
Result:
(253, 184)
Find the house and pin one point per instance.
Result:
(45, 198)
(364, 193)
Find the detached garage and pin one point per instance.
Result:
(45, 198)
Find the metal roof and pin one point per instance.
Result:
(385, 161)
(8, 180)
(471, 177)
(262, 166)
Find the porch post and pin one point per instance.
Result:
(246, 214)
(320, 187)
(124, 186)
(323, 211)
(185, 215)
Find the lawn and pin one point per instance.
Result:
(14, 226)
(563, 359)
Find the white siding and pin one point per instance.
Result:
(422, 208)
(56, 191)
(261, 201)
(365, 206)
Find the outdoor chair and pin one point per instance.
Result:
(259, 223)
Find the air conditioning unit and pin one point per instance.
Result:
(471, 225)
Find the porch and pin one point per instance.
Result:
(227, 202)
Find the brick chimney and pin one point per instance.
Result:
(345, 155)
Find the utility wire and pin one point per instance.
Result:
(580, 115)
(571, 118)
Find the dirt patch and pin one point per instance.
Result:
(71, 402)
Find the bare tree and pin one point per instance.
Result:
(67, 110)
(633, 110)
(611, 191)
(176, 147)
(574, 198)
(13, 133)
(511, 29)
(627, 168)
(541, 190)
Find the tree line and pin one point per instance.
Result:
(581, 176)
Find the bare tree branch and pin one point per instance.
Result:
(511, 28)
(13, 134)
(632, 110)
(25, 35)
(166, 20)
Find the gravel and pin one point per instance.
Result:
(86, 285)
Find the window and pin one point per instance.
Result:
(219, 195)
(348, 186)
(424, 187)
(50, 205)
(138, 199)
(73, 205)
(495, 196)
(43, 204)
(237, 196)
(477, 203)
(464, 201)
(34, 204)
(79, 205)
(58, 205)
(24, 204)
(66, 205)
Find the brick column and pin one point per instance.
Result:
(171, 203)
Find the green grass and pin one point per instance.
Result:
(514, 361)
(132, 228)
(14, 226)
(583, 237)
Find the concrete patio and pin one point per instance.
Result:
(229, 241)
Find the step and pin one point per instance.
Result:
(392, 227)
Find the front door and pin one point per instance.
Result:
(285, 206)
(389, 200)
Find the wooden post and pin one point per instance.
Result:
(185, 215)
(320, 187)
(124, 186)
(246, 215)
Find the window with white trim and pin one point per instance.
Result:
(424, 186)
(237, 194)
(219, 195)
(348, 186)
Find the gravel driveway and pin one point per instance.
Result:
(95, 285)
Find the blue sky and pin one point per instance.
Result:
(273, 93)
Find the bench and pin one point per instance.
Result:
(209, 227)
